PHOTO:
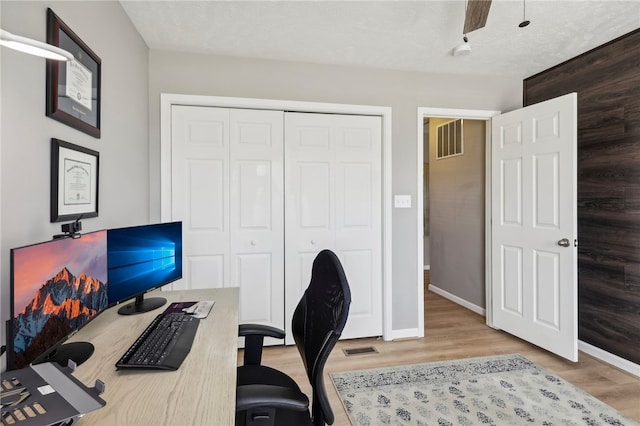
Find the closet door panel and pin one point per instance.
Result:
(199, 188)
(333, 200)
(313, 187)
(206, 185)
(206, 271)
(309, 213)
(359, 264)
(257, 214)
(358, 219)
(256, 288)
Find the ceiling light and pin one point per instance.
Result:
(463, 48)
(33, 47)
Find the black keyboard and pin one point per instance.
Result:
(163, 345)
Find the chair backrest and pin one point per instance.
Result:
(317, 324)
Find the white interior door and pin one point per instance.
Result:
(534, 224)
(257, 214)
(226, 187)
(333, 200)
(200, 193)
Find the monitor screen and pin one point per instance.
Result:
(56, 288)
(140, 259)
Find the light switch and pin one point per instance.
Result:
(402, 201)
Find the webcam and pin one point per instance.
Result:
(70, 230)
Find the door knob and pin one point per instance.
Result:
(253, 242)
(564, 242)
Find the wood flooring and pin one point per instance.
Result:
(454, 332)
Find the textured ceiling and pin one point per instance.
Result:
(391, 34)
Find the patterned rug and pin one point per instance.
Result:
(502, 390)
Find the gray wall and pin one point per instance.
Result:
(457, 200)
(26, 131)
(133, 78)
(183, 73)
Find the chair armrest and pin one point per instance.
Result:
(254, 335)
(260, 329)
(256, 396)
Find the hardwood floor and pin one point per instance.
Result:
(453, 332)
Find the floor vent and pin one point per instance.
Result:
(360, 351)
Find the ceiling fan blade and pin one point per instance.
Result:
(476, 16)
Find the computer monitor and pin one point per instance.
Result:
(56, 288)
(141, 259)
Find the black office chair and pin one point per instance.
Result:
(266, 396)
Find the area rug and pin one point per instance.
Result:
(501, 390)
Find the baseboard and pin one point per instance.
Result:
(458, 300)
(407, 333)
(609, 358)
(594, 351)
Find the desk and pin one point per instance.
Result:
(201, 392)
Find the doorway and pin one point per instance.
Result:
(438, 249)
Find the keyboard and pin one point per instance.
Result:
(163, 345)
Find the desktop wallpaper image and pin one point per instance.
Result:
(58, 286)
(143, 258)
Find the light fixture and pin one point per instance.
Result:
(524, 22)
(463, 48)
(33, 47)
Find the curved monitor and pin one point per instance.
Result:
(141, 259)
(57, 287)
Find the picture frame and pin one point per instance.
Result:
(73, 87)
(74, 181)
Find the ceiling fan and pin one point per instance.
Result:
(476, 15)
(476, 12)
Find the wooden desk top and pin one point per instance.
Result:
(201, 392)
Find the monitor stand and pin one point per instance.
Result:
(142, 305)
(78, 352)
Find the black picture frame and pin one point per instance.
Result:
(73, 87)
(75, 175)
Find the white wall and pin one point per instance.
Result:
(26, 131)
(183, 73)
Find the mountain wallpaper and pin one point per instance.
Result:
(61, 304)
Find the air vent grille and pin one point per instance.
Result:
(360, 351)
(450, 139)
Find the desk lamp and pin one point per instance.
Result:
(33, 47)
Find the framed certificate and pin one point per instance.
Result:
(73, 87)
(74, 181)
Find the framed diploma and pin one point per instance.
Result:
(74, 181)
(73, 87)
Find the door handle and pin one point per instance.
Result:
(564, 242)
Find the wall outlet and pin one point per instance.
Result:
(402, 201)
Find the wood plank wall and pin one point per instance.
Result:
(607, 80)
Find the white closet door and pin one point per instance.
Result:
(333, 193)
(200, 193)
(257, 215)
(226, 187)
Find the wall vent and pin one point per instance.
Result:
(360, 351)
(450, 139)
